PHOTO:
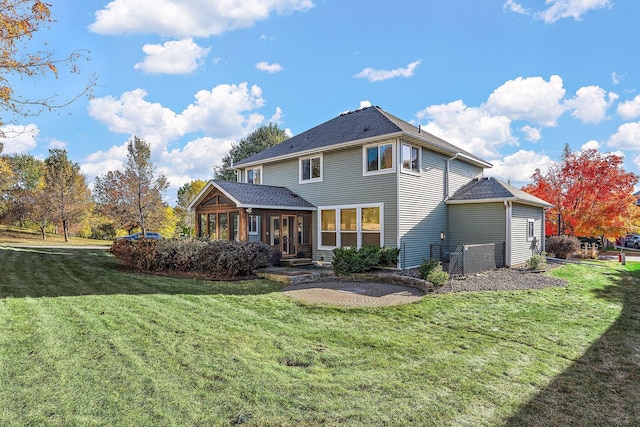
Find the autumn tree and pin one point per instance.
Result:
(591, 194)
(133, 198)
(67, 194)
(27, 177)
(259, 140)
(186, 194)
(20, 20)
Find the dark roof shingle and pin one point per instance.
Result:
(369, 122)
(254, 195)
(481, 189)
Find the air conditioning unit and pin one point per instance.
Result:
(480, 257)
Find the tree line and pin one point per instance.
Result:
(53, 195)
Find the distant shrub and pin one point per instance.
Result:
(219, 258)
(537, 262)
(353, 260)
(427, 266)
(389, 256)
(562, 246)
(437, 276)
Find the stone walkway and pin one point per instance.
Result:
(353, 294)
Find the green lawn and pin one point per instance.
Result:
(83, 342)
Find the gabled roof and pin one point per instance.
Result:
(485, 190)
(254, 196)
(361, 125)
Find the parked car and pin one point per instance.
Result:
(137, 236)
(632, 241)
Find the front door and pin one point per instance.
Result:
(289, 235)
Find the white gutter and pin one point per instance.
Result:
(507, 240)
(446, 177)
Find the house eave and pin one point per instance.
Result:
(297, 154)
(499, 200)
(433, 145)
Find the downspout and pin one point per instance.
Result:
(507, 240)
(446, 177)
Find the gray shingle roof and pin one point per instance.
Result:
(356, 125)
(485, 189)
(262, 196)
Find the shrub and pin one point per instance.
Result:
(219, 258)
(389, 256)
(437, 276)
(562, 246)
(353, 260)
(427, 266)
(537, 262)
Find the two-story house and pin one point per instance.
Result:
(367, 177)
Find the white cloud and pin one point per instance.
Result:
(173, 57)
(365, 104)
(530, 98)
(615, 77)
(559, 9)
(222, 111)
(591, 103)
(19, 139)
(223, 114)
(132, 114)
(627, 137)
(176, 18)
(269, 68)
(518, 167)
(630, 109)
(472, 129)
(531, 134)
(379, 75)
(590, 145)
(56, 143)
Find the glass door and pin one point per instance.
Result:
(289, 234)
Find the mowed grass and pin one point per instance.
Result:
(84, 342)
(18, 235)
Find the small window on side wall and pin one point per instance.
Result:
(531, 229)
(311, 169)
(410, 158)
(254, 175)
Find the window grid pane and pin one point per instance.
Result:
(386, 156)
(348, 220)
(372, 159)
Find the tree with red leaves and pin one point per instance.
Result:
(592, 194)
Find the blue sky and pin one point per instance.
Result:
(511, 81)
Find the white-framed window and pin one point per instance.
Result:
(253, 175)
(351, 225)
(310, 169)
(379, 158)
(410, 158)
(254, 225)
(531, 229)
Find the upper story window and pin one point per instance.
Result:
(410, 158)
(311, 169)
(379, 159)
(253, 175)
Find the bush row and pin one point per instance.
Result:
(353, 260)
(219, 258)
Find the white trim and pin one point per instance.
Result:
(359, 231)
(246, 174)
(394, 157)
(310, 157)
(508, 237)
(401, 159)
